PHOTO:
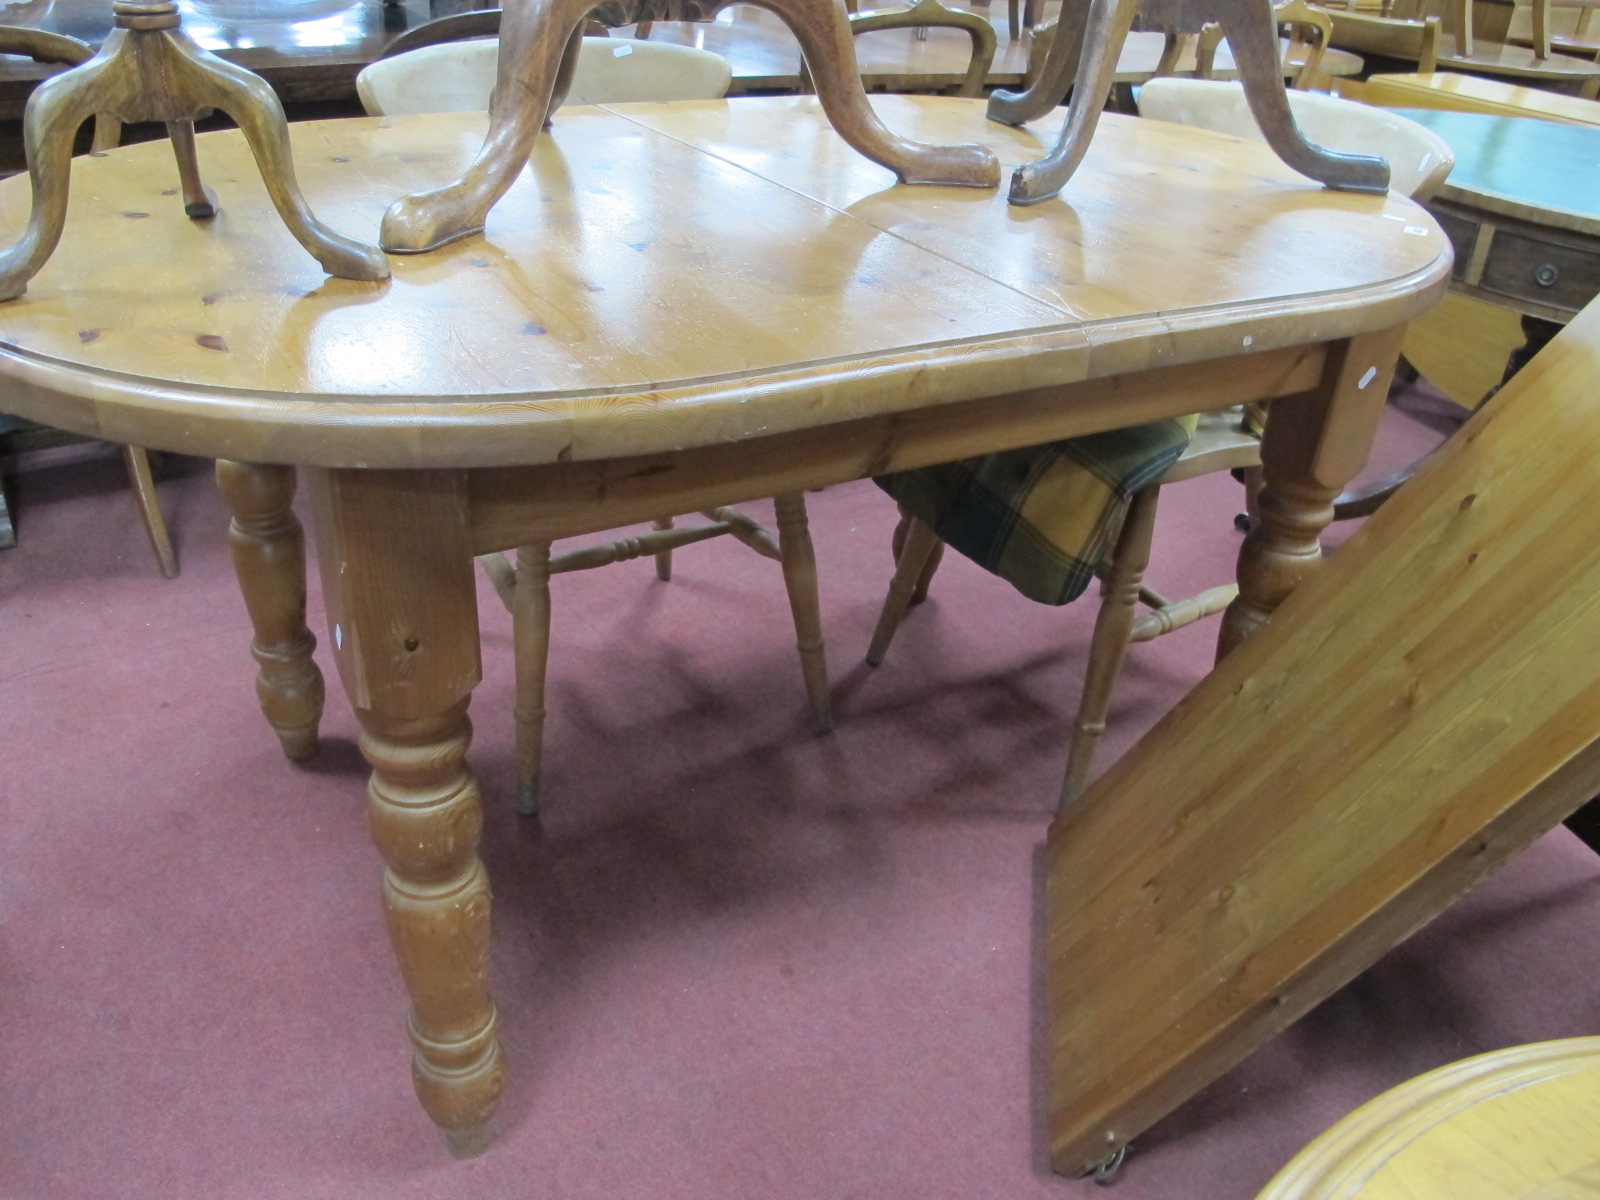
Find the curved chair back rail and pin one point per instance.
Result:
(1393, 37)
(460, 76)
(930, 14)
(1299, 18)
(1419, 159)
(481, 23)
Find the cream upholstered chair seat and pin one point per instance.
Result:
(1419, 159)
(459, 76)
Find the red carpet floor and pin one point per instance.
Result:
(732, 960)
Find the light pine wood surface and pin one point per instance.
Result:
(1417, 713)
(676, 308)
(869, 298)
(1469, 93)
(1515, 1124)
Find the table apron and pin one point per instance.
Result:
(511, 506)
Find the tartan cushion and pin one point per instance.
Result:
(1043, 517)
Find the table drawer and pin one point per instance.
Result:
(1541, 271)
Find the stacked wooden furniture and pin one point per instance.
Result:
(1400, 33)
(1456, 92)
(628, 229)
(1569, 26)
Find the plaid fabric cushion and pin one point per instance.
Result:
(1043, 517)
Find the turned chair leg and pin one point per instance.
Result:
(925, 580)
(144, 493)
(530, 634)
(800, 578)
(909, 568)
(1112, 629)
(664, 557)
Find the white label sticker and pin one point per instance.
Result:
(1372, 373)
(621, 51)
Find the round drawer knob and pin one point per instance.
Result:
(1546, 275)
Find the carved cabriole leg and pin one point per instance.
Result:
(530, 619)
(198, 202)
(269, 558)
(49, 125)
(1315, 443)
(565, 73)
(1049, 88)
(1171, 51)
(800, 578)
(911, 560)
(397, 572)
(1107, 30)
(1253, 36)
(828, 46)
(533, 40)
(206, 80)
(1112, 627)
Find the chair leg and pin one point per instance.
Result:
(909, 568)
(664, 557)
(1112, 628)
(530, 632)
(8, 532)
(643, 28)
(1012, 15)
(800, 578)
(925, 580)
(144, 494)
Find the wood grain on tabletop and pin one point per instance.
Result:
(653, 291)
(1469, 93)
(1517, 1122)
(1421, 709)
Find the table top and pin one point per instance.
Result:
(1471, 93)
(1536, 170)
(673, 275)
(1513, 1123)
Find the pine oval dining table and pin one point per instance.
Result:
(677, 306)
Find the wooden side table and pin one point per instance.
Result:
(1516, 1123)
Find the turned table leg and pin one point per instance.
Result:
(397, 574)
(269, 558)
(425, 816)
(1314, 445)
